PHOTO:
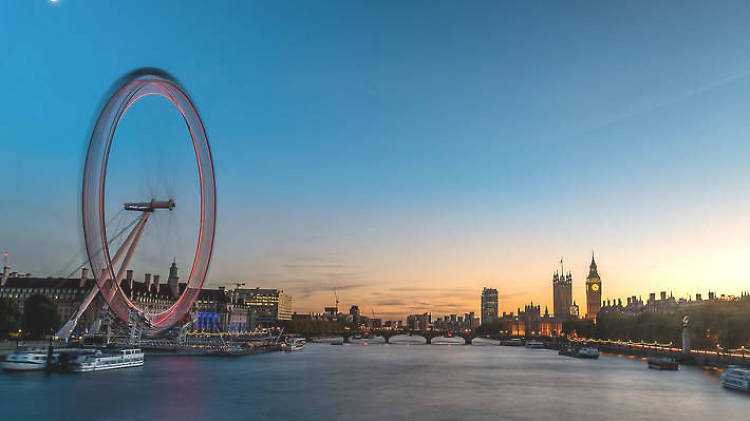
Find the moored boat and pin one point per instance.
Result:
(107, 360)
(586, 352)
(27, 359)
(293, 344)
(565, 350)
(534, 344)
(736, 378)
(663, 363)
(579, 352)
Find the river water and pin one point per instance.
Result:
(377, 382)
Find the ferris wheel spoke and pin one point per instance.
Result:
(138, 231)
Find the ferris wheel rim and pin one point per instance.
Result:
(128, 90)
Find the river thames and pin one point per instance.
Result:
(377, 382)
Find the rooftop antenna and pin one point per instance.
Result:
(337, 299)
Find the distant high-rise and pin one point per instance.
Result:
(562, 294)
(469, 320)
(354, 312)
(489, 305)
(593, 291)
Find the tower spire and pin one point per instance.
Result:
(562, 268)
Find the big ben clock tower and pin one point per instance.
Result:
(593, 291)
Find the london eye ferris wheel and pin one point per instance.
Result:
(109, 266)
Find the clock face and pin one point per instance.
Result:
(595, 287)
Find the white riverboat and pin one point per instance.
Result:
(293, 344)
(534, 344)
(108, 360)
(27, 359)
(587, 352)
(736, 378)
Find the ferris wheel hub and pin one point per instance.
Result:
(150, 206)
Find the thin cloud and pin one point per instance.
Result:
(389, 303)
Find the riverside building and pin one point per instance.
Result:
(270, 305)
(214, 310)
(66, 293)
(530, 322)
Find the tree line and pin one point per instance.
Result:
(39, 317)
(722, 323)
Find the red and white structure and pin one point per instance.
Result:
(109, 269)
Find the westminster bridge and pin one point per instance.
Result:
(449, 336)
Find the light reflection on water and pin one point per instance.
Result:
(378, 382)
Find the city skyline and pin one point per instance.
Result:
(368, 210)
(406, 167)
(437, 310)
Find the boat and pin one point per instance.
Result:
(27, 359)
(532, 344)
(293, 344)
(566, 350)
(579, 352)
(107, 360)
(586, 352)
(663, 363)
(736, 378)
(229, 351)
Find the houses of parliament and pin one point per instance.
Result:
(562, 289)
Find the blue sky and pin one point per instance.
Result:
(403, 152)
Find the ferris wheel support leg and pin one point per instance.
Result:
(67, 329)
(127, 241)
(133, 239)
